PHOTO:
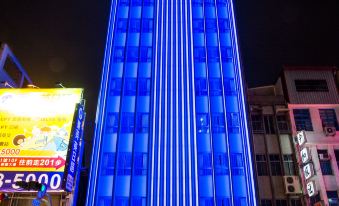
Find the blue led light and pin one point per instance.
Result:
(193, 138)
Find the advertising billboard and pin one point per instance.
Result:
(35, 131)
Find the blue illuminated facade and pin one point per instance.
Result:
(171, 125)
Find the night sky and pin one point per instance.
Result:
(63, 41)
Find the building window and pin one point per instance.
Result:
(122, 25)
(205, 163)
(197, 2)
(140, 163)
(215, 86)
(282, 123)
(132, 54)
(199, 54)
(325, 162)
(336, 153)
(328, 118)
(230, 88)
(136, 2)
(261, 164)
(144, 86)
(138, 201)
(105, 200)
(226, 54)
(311, 85)
(281, 202)
(265, 202)
(130, 86)
(332, 198)
(142, 123)
(108, 163)
(275, 165)
(233, 122)
(221, 164)
(119, 54)
(198, 25)
(134, 25)
(124, 163)
(148, 2)
(127, 123)
(295, 202)
(288, 165)
(269, 124)
(145, 54)
(257, 124)
(124, 2)
(314, 199)
(211, 25)
(207, 201)
(237, 163)
(223, 201)
(147, 25)
(218, 123)
(201, 87)
(112, 122)
(222, 2)
(302, 119)
(202, 123)
(224, 25)
(115, 89)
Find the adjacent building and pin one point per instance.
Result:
(171, 125)
(12, 74)
(308, 99)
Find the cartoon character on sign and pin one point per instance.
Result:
(46, 138)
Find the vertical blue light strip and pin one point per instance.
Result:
(171, 125)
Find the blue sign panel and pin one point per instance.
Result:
(74, 150)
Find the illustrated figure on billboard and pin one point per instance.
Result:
(50, 138)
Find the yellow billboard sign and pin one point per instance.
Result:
(35, 128)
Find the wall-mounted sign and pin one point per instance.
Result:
(301, 137)
(35, 128)
(308, 171)
(310, 187)
(305, 155)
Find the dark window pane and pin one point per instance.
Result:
(124, 163)
(215, 86)
(199, 54)
(213, 54)
(112, 122)
(275, 165)
(147, 25)
(145, 54)
(288, 165)
(261, 165)
(144, 86)
(237, 164)
(269, 124)
(205, 163)
(226, 54)
(202, 123)
(115, 89)
(257, 124)
(328, 118)
(311, 85)
(302, 119)
(283, 124)
(211, 25)
(140, 163)
(218, 123)
(200, 87)
(119, 54)
(130, 86)
(108, 162)
(198, 25)
(134, 25)
(127, 123)
(142, 122)
(224, 25)
(265, 202)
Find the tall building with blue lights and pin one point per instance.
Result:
(171, 125)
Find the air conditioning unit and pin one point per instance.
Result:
(292, 185)
(329, 131)
(324, 156)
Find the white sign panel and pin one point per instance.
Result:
(310, 186)
(301, 137)
(308, 171)
(305, 155)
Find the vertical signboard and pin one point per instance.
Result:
(35, 128)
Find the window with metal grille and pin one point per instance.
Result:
(295, 202)
(237, 163)
(127, 123)
(112, 122)
(325, 162)
(288, 165)
(261, 164)
(275, 165)
(115, 89)
(205, 163)
(221, 164)
(202, 123)
(257, 124)
(269, 124)
(142, 122)
(283, 124)
(281, 202)
(307, 85)
(302, 119)
(328, 118)
(265, 202)
(124, 163)
(215, 86)
(108, 162)
(140, 163)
